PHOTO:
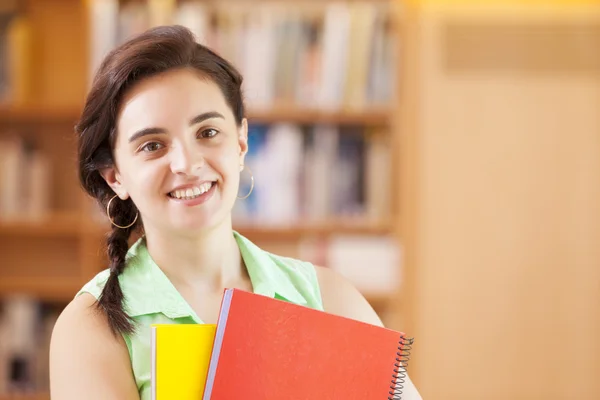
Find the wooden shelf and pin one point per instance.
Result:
(45, 289)
(70, 224)
(374, 117)
(293, 231)
(33, 115)
(33, 396)
(56, 224)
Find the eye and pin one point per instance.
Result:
(208, 133)
(151, 147)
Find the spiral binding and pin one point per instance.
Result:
(402, 357)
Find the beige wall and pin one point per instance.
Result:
(504, 243)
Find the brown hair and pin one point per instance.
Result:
(153, 52)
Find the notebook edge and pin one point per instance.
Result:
(153, 340)
(214, 358)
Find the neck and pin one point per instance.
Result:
(210, 260)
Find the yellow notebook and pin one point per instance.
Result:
(180, 359)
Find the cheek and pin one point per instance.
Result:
(229, 170)
(145, 179)
(227, 163)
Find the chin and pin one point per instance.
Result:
(196, 224)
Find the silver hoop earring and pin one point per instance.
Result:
(251, 182)
(113, 222)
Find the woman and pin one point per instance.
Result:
(162, 141)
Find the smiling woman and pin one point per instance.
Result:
(187, 152)
(162, 141)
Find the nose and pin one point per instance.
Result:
(186, 161)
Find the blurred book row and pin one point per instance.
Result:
(302, 173)
(310, 173)
(25, 330)
(331, 55)
(25, 179)
(314, 173)
(371, 262)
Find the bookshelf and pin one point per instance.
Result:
(40, 115)
(38, 396)
(56, 224)
(73, 224)
(47, 290)
(373, 117)
(37, 115)
(63, 246)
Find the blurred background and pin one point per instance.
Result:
(443, 155)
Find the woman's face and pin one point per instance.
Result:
(178, 152)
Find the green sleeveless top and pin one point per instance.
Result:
(150, 298)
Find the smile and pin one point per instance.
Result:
(192, 192)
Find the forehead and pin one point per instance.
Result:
(169, 96)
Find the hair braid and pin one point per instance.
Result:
(111, 299)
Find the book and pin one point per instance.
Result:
(268, 348)
(180, 360)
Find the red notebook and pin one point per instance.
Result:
(267, 349)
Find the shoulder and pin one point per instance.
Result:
(341, 297)
(86, 358)
(82, 316)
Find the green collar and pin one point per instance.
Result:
(150, 291)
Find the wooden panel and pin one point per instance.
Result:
(41, 115)
(50, 257)
(60, 51)
(507, 280)
(40, 396)
(407, 175)
(562, 47)
(531, 3)
(50, 226)
(54, 290)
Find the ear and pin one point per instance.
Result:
(243, 140)
(113, 179)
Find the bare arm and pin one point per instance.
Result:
(340, 297)
(86, 360)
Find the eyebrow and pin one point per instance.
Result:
(204, 116)
(155, 130)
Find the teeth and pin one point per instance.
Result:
(205, 187)
(191, 193)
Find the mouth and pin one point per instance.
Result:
(192, 192)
